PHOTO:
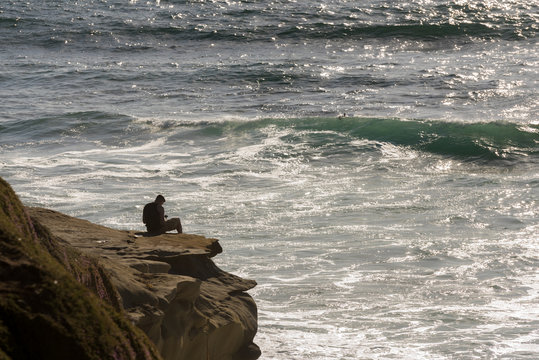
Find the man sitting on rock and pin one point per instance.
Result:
(153, 216)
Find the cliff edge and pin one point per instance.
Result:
(166, 285)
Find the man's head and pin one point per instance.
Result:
(160, 199)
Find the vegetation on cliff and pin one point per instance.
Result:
(55, 302)
(169, 287)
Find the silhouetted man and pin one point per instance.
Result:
(153, 216)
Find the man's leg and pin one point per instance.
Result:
(172, 224)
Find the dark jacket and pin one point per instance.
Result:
(153, 216)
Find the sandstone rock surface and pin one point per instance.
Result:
(170, 288)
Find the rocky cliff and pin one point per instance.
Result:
(166, 285)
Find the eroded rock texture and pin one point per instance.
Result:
(70, 289)
(170, 288)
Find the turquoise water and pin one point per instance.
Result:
(373, 166)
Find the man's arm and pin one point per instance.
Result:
(161, 212)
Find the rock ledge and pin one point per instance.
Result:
(169, 287)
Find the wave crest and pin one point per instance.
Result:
(470, 141)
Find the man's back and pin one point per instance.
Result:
(150, 217)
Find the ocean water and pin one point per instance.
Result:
(373, 165)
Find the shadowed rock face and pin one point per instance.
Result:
(56, 302)
(170, 288)
(70, 289)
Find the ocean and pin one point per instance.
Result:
(373, 165)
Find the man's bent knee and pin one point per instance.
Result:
(172, 224)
